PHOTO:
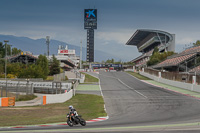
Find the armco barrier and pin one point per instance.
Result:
(57, 98)
(187, 86)
(7, 101)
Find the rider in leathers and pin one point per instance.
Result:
(73, 111)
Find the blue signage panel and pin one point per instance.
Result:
(90, 19)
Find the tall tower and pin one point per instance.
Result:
(47, 42)
(90, 23)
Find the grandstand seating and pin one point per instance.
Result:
(174, 61)
(177, 59)
(196, 69)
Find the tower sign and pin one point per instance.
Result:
(90, 23)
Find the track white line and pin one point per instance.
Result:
(126, 85)
(101, 92)
(133, 89)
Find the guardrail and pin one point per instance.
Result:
(35, 87)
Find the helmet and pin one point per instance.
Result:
(70, 107)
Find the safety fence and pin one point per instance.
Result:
(14, 88)
(181, 77)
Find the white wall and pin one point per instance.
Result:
(187, 86)
(59, 98)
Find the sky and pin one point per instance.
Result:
(117, 21)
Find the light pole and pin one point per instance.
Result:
(81, 56)
(6, 64)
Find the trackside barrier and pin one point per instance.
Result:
(7, 101)
(56, 98)
(187, 86)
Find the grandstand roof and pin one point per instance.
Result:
(174, 60)
(143, 55)
(196, 69)
(141, 34)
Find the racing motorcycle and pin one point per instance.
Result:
(74, 120)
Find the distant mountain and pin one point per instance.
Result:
(39, 47)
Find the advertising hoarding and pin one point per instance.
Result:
(90, 19)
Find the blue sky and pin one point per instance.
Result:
(117, 21)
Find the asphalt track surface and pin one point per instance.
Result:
(136, 107)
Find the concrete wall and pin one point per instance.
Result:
(56, 98)
(187, 86)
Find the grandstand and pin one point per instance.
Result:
(23, 57)
(186, 61)
(147, 40)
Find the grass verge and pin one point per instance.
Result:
(25, 97)
(137, 75)
(89, 78)
(20, 97)
(89, 106)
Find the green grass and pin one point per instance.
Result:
(89, 78)
(25, 97)
(49, 78)
(89, 106)
(137, 75)
(20, 97)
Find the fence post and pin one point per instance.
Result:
(32, 90)
(1, 91)
(159, 74)
(142, 69)
(17, 93)
(194, 80)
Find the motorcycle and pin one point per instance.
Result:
(74, 120)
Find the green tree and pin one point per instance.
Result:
(44, 64)
(54, 66)
(16, 51)
(158, 57)
(2, 66)
(156, 50)
(2, 50)
(15, 68)
(197, 43)
(32, 71)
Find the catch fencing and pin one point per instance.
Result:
(181, 77)
(14, 88)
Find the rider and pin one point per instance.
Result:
(73, 110)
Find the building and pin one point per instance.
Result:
(186, 61)
(146, 40)
(67, 57)
(23, 57)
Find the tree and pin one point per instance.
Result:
(32, 71)
(197, 43)
(158, 57)
(2, 50)
(54, 66)
(44, 64)
(16, 51)
(2, 66)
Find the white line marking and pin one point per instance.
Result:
(133, 89)
(101, 92)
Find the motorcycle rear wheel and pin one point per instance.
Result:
(70, 123)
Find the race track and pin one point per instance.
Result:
(134, 106)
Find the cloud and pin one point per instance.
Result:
(118, 37)
(187, 37)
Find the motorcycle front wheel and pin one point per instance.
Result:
(83, 122)
(70, 123)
